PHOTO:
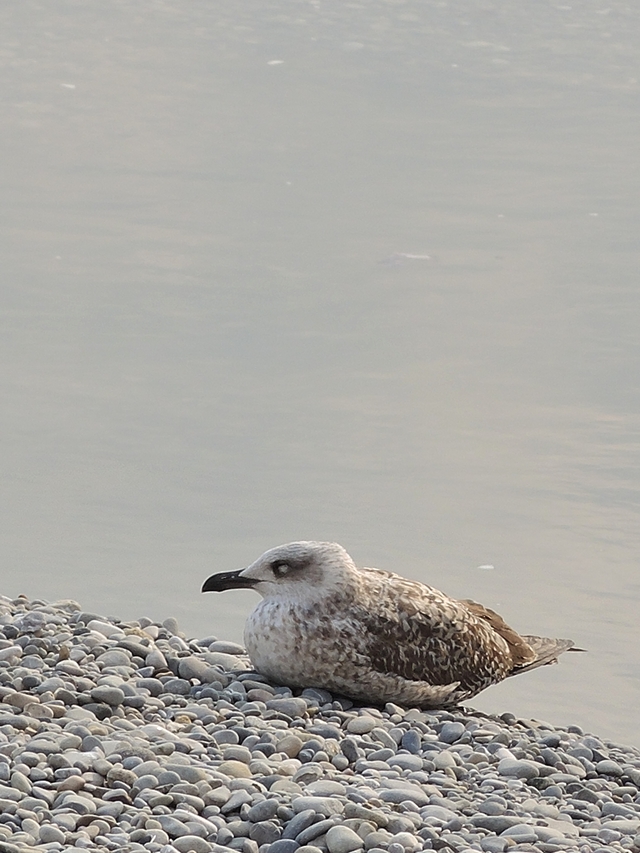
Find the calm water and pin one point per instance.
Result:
(212, 342)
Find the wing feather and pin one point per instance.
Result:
(421, 634)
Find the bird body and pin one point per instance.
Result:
(373, 635)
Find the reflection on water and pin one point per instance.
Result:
(220, 329)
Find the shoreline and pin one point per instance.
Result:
(126, 736)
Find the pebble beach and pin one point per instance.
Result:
(127, 736)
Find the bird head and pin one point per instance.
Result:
(310, 569)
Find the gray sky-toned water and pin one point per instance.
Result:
(212, 339)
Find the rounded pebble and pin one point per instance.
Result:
(341, 839)
(191, 844)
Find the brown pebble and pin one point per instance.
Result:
(71, 783)
(290, 745)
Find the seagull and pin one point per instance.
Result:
(372, 635)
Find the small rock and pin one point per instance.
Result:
(411, 741)
(105, 628)
(265, 832)
(451, 732)
(191, 844)
(362, 725)
(518, 768)
(495, 823)
(112, 657)
(172, 826)
(226, 662)
(283, 845)
(264, 810)
(299, 823)
(193, 667)
(326, 788)
(406, 762)
(50, 834)
(521, 833)
(227, 647)
(156, 659)
(292, 707)
(20, 782)
(111, 695)
(608, 767)
(235, 769)
(323, 805)
(341, 839)
(290, 745)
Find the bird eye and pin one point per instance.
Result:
(280, 569)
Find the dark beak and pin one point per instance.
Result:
(227, 580)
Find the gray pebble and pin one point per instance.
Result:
(406, 762)
(113, 657)
(521, 833)
(399, 795)
(607, 767)
(111, 695)
(283, 845)
(178, 686)
(411, 741)
(156, 660)
(451, 732)
(51, 834)
(518, 768)
(191, 844)
(265, 832)
(290, 706)
(323, 805)
(264, 810)
(193, 667)
(444, 759)
(493, 844)
(311, 833)
(300, 822)
(495, 823)
(173, 827)
(341, 839)
(227, 647)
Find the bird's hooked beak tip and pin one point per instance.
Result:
(227, 580)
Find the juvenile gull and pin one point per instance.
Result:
(373, 635)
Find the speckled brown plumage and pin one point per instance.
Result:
(373, 635)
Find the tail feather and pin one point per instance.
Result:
(547, 651)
